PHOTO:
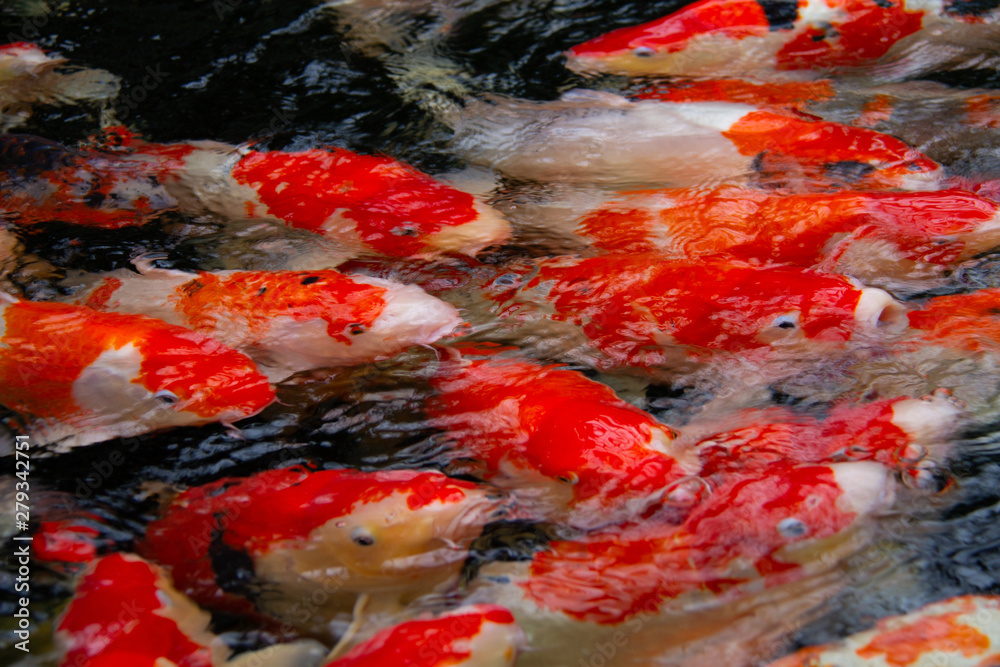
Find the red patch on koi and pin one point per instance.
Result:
(793, 94)
(114, 613)
(735, 19)
(869, 31)
(394, 207)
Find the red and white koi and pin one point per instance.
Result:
(752, 553)
(963, 631)
(873, 236)
(905, 434)
(386, 534)
(646, 310)
(471, 636)
(80, 376)
(285, 321)
(889, 39)
(597, 459)
(954, 127)
(603, 139)
(364, 204)
(126, 613)
(28, 76)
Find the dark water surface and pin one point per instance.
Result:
(285, 73)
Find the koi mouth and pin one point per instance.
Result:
(878, 312)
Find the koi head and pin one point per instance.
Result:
(402, 525)
(363, 531)
(658, 46)
(293, 321)
(960, 223)
(485, 635)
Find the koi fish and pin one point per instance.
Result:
(734, 38)
(603, 139)
(473, 636)
(646, 310)
(268, 541)
(905, 434)
(597, 458)
(44, 181)
(80, 376)
(125, 611)
(755, 548)
(954, 127)
(29, 76)
(964, 321)
(877, 237)
(285, 321)
(963, 631)
(363, 203)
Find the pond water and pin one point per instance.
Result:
(292, 75)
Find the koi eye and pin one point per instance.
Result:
(791, 527)
(569, 478)
(356, 329)
(784, 322)
(643, 52)
(403, 230)
(166, 397)
(361, 537)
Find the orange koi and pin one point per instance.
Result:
(285, 321)
(888, 39)
(80, 376)
(963, 631)
(599, 459)
(272, 539)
